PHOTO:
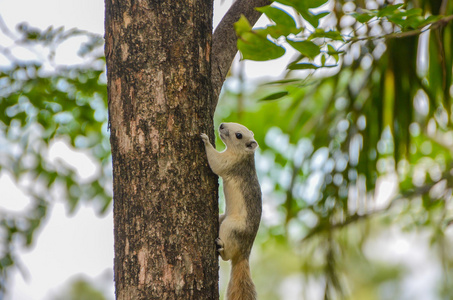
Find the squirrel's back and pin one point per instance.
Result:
(245, 176)
(239, 225)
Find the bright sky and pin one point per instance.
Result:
(67, 246)
(83, 14)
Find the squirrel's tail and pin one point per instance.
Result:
(241, 286)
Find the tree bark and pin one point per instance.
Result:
(160, 92)
(165, 196)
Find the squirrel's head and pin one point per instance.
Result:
(237, 137)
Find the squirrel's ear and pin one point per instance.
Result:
(251, 145)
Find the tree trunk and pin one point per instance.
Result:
(160, 92)
(165, 196)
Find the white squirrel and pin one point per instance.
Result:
(239, 224)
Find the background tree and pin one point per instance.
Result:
(79, 289)
(43, 103)
(364, 136)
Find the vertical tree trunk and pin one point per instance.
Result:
(165, 196)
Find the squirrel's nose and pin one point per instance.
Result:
(221, 126)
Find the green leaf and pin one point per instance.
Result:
(331, 49)
(303, 66)
(413, 22)
(308, 66)
(397, 19)
(254, 45)
(311, 18)
(322, 15)
(421, 23)
(276, 31)
(320, 33)
(278, 15)
(362, 18)
(6, 261)
(332, 52)
(242, 26)
(284, 23)
(303, 8)
(430, 19)
(274, 96)
(411, 12)
(389, 10)
(314, 3)
(303, 4)
(306, 48)
(323, 60)
(258, 48)
(283, 81)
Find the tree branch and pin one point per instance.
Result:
(224, 41)
(433, 25)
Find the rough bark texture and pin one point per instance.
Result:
(165, 196)
(160, 94)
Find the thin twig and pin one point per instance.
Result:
(436, 24)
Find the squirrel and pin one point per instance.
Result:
(239, 224)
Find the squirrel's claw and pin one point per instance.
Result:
(204, 137)
(219, 244)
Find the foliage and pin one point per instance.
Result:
(40, 104)
(362, 134)
(80, 289)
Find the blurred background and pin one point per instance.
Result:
(353, 119)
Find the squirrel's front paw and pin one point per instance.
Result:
(204, 137)
(219, 244)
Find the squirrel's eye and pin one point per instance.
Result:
(238, 136)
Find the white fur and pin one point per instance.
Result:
(235, 213)
(240, 145)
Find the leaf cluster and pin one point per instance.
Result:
(40, 107)
(314, 44)
(366, 144)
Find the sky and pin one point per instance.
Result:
(66, 247)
